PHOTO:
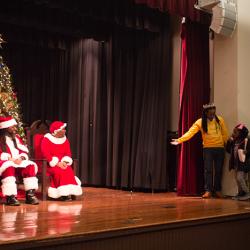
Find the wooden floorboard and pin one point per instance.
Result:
(101, 213)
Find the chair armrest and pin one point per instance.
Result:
(75, 165)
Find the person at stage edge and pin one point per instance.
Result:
(238, 145)
(55, 147)
(14, 161)
(214, 136)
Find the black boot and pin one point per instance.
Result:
(12, 201)
(31, 198)
(65, 198)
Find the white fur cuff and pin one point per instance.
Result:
(5, 156)
(54, 161)
(67, 159)
(9, 186)
(30, 183)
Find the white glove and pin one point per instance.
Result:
(174, 142)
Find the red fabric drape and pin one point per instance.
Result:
(194, 92)
(183, 8)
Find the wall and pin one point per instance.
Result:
(231, 80)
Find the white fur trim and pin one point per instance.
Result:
(23, 164)
(68, 160)
(21, 146)
(30, 183)
(79, 183)
(14, 152)
(54, 139)
(24, 155)
(64, 191)
(8, 124)
(54, 161)
(5, 156)
(9, 186)
(61, 128)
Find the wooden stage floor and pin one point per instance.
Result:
(101, 212)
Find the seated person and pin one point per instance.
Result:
(14, 161)
(55, 148)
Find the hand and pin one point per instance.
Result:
(18, 161)
(62, 165)
(174, 142)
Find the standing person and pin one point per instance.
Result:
(239, 148)
(14, 161)
(214, 137)
(56, 150)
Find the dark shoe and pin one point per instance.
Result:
(73, 197)
(240, 194)
(244, 197)
(12, 201)
(218, 194)
(65, 198)
(31, 198)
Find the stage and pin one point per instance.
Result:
(114, 219)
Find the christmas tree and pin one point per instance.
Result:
(8, 100)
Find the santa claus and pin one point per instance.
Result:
(56, 150)
(14, 161)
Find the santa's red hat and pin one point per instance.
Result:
(6, 122)
(57, 126)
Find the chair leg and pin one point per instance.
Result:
(44, 182)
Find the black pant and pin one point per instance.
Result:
(213, 157)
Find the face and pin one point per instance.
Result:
(61, 133)
(236, 133)
(12, 130)
(210, 114)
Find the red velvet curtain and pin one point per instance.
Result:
(194, 92)
(183, 8)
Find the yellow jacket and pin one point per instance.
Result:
(216, 135)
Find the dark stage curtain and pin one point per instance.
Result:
(111, 90)
(118, 108)
(194, 92)
(39, 69)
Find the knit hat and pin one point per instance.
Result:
(56, 126)
(6, 122)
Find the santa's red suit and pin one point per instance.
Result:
(55, 150)
(8, 169)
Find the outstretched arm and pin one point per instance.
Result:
(189, 134)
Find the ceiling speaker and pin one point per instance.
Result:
(224, 18)
(207, 4)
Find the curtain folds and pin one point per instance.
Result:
(90, 19)
(111, 89)
(104, 67)
(40, 78)
(194, 92)
(119, 108)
